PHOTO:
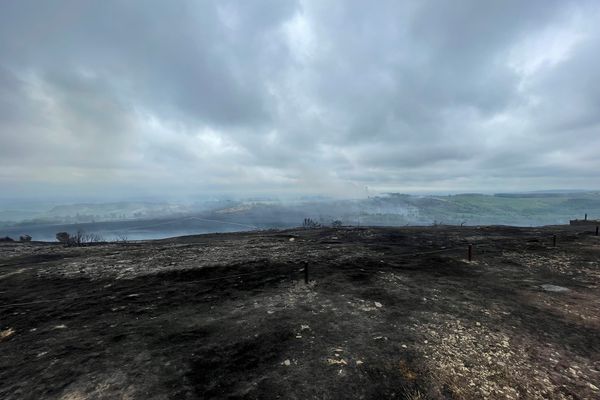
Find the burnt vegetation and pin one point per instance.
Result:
(80, 238)
(387, 313)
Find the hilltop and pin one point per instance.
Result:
(387, 313)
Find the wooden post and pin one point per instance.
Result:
(470, 252)
(596, 230)
(306, 273)
(585, 217)
(553, 240)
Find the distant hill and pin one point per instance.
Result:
(145, 220)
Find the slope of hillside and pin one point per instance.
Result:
(387, 313)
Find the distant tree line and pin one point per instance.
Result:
(80, 238)
(309, 223)
(22, 238)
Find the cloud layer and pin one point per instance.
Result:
(278, 96)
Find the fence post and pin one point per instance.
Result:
(306, 272)
(553, 240)
(470, 252)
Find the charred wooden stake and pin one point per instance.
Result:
(596, 230)
(554, 241)
(306, 273)
(470, 252)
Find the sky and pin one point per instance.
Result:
(277, 97)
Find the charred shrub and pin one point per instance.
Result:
(78, 239)
(64, 238)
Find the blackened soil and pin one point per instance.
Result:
(388, 313)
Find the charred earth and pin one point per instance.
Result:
(387, 313)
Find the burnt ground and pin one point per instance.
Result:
(388, 313)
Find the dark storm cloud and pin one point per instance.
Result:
(299, 95)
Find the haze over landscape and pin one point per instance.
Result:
(192, 107)
(112, 100)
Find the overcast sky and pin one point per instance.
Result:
(311, 97)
